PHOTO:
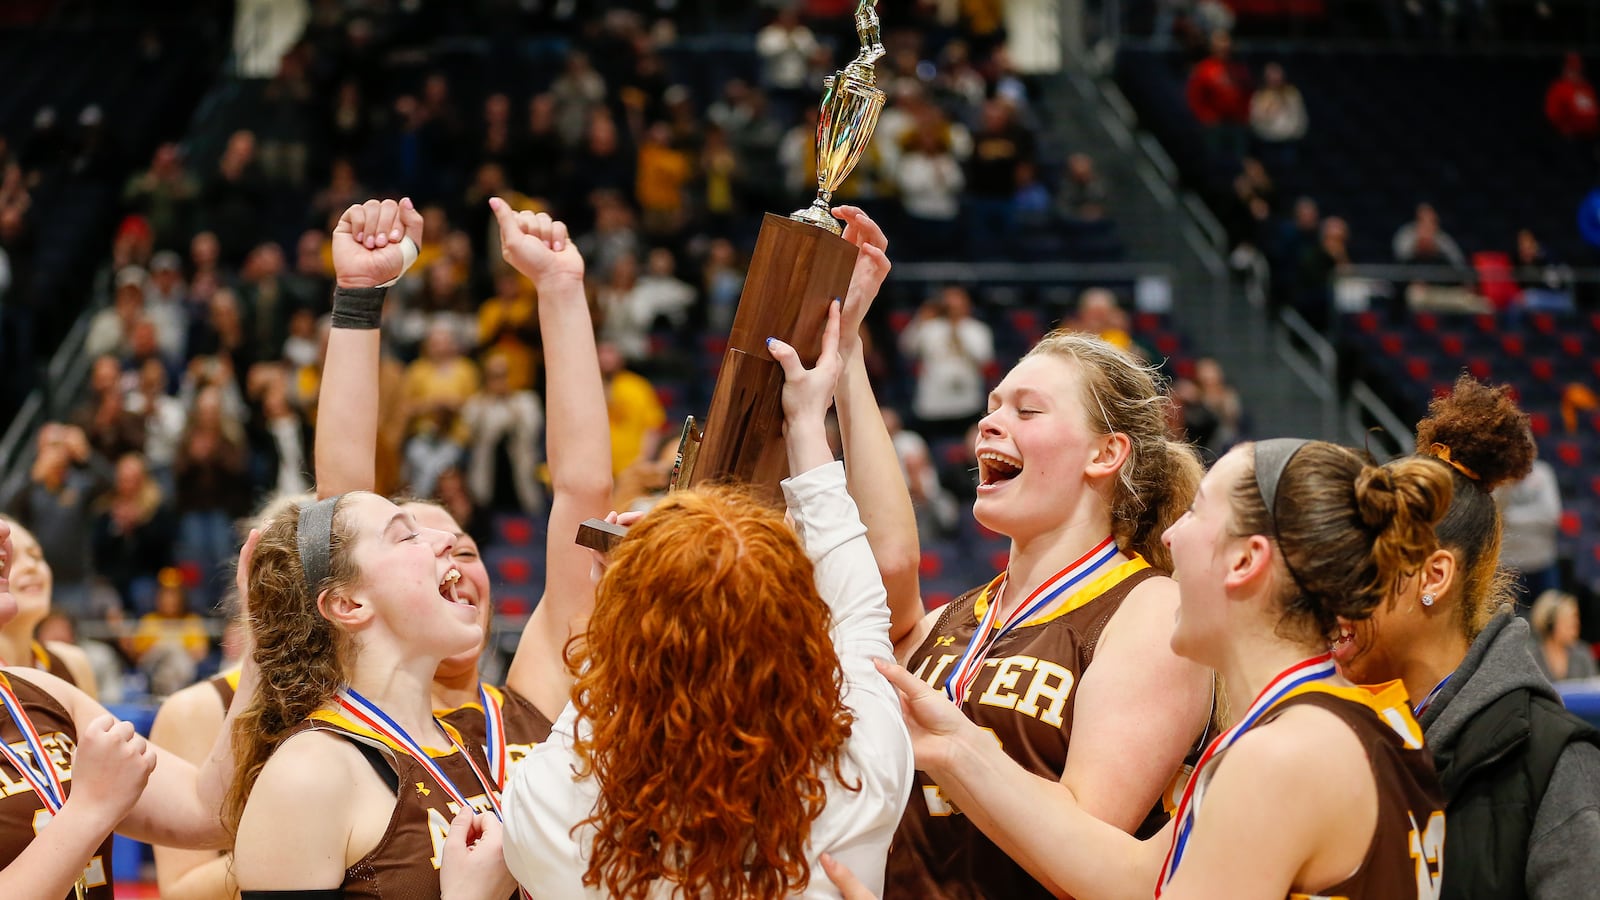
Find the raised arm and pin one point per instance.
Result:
(368, 250)
(872, 468)
(577, 446)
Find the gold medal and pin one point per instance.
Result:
(80, 888)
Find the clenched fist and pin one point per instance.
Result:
(111, 767)
(367, 242)
(536, 245)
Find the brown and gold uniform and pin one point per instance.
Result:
(226, 685)
(405, 863)
(1024, 695)
(22, 814)
(525, 726)
(1407, 850)
(49, 662)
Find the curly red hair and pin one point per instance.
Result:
(710, 679)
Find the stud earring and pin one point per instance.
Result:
(1427, 599)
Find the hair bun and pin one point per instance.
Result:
(1480, 432)
(1376, 499)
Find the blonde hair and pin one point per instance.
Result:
(1125, 396)
(1547, 607)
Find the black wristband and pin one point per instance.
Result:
(358, 308)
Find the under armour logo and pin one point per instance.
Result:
(422, 790)
(944, 640)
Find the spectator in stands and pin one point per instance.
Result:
(166, 303)
(1099, 314)
(213, 489)
(718, 176)
(721, 283)
(930, 182)
(56, 504)
(437, 387)
(540, 149)
(607, 165)
(508, 330)
(111, 329)
(637, 417)
(1219, 97)
(953, 349)
(308, 285)
(786, 47)
(663, 175)
(1278, 118)
(1001, 143)
(133, 533)
(1561, 653)
(279, 438)
(756, 143)
(1571, 104)
(1546, 284)
(613, 237)
(667, 298)
(1248, 217)
(111, 428)
(170, 641)
(938, 511)
(166, 195)
(60, 628)
(233, 198)
(1220, 400)
(222, 334)
(1424, 242)
(577, 93)
(342, 191)
(1188, 418)
(506, 428)
(265, 303)
(164, 418)
(1083, 193)
(1531, 510)
(1313, 295)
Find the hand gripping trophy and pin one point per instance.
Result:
(800, 265)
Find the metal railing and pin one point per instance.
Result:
(64, 377)
(1311, 357)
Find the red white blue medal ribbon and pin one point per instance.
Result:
(369, 715)
(494, 731)
(970, 664)
(1317, 668)
(44, 780)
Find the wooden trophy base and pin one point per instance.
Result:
(796, 271)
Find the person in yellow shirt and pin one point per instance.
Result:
(637, 417)
(508, 329)
(664, 171)
(439, 383)
(168, 644)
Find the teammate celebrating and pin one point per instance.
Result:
(1494, 725)
(1283, 539)
(32, 582)
(1064, 657)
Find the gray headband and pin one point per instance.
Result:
(314, 538)
(1272, 458)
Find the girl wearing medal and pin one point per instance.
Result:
(1320, 788)
(1493, 723)
(18, 647)
(504, 721)
(1064, 657)
(68, 764)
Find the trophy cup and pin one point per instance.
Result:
(800, 265)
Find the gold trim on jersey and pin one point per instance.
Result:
(1388, 700)
(1076, 600)
(344, 722)
(232, 678)
(41, 656)
(496, 693)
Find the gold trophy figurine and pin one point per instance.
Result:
(851, 102)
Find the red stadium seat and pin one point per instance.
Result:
(1167, 344)
(1571, 524)
(931, 565)
(1594, 486)
(1367, 322)
(191, 573)
(1479, 368)
(1540, 424)
(1543, 322)
(1427, 323)
(516, 531)
(1452, 344)
(512, 605)
(1542, 369)
(1418, 368)
(1184, 368)
(1486, 324)
(936, 599)
(514, 570)
(1572, 345)
(1392, 344)
(1569, 453)
(1144, 323)
(999, 559)
(898, 320)
(1513, 344)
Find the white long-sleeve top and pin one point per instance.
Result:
(545, 799)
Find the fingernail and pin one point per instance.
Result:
(406, 202)
(361, 236)
(770, 340)
(394, 235)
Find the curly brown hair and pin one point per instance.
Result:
(1122, 395)
(1484, 432)
(713, 688)
(302, 656)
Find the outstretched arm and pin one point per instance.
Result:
(872, 468)
(577, 446)
(367, 252)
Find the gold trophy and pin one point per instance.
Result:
(800, 265)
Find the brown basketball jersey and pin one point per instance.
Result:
(1407, 850)
(22, 813)
(49, 662)
(1024, 695)
(405, 863)
(226, 685)
(526, 727)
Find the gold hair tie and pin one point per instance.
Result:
(1443, 452)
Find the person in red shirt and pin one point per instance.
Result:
(1571, 104)
(1219, 97)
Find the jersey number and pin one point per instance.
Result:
(1427, 852)
(94, 874)
(439, 826)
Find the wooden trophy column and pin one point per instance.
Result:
(796, 271)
